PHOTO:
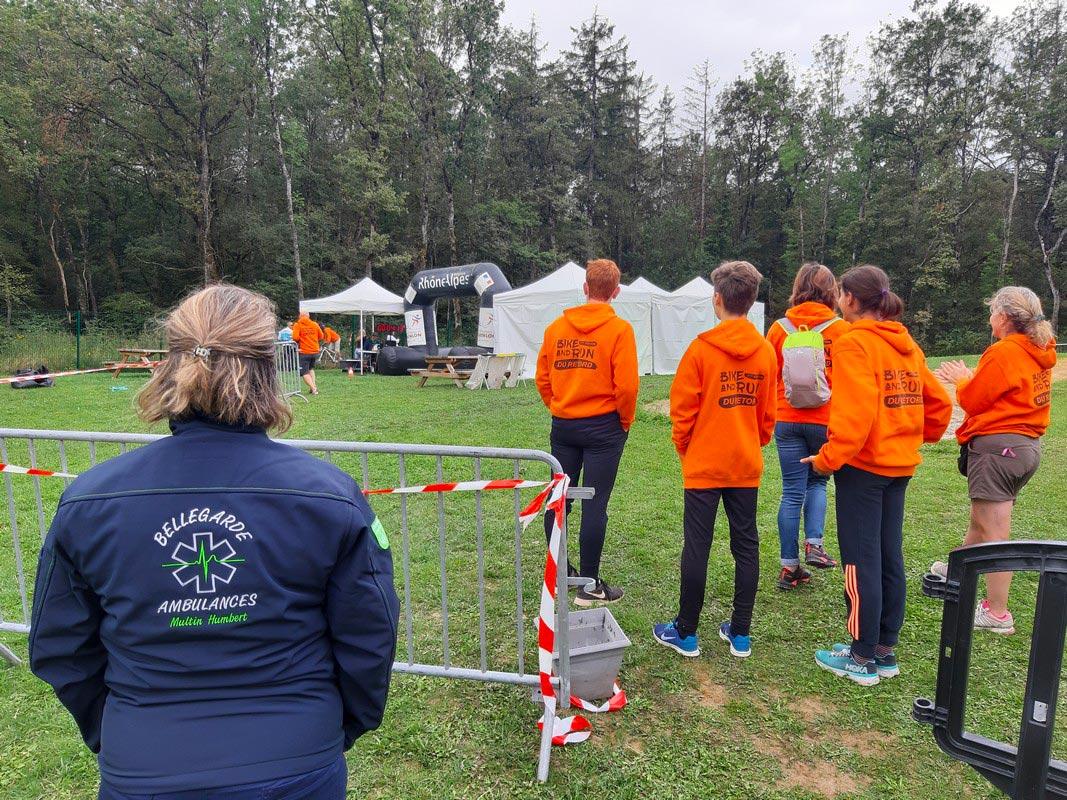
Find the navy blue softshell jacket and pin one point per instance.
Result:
(215, 608)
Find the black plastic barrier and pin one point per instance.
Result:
(1026, 772)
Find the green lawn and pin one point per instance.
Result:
(771, 726)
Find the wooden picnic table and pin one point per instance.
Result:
(136, 358)
(446, 367)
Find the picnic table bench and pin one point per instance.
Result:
(446, 367)
(135, 358)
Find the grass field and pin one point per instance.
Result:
(771, 726)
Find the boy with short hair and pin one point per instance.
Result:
(722, 412)
(587, 377)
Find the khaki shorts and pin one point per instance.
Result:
(1000, 465)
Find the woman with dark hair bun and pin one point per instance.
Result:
(1008, 402)
(886, 403)
(216, 609)
(802, 341)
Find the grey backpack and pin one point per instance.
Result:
(804, 364)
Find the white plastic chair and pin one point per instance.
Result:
(479, 373)
(518, 363)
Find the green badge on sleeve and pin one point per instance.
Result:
(379, 533)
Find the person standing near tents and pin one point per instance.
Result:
(587, 377)
(332, 339)
(308, 336)
(1008, 402)
(802, 340)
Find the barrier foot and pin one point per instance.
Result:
(9, 656)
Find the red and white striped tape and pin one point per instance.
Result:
(569, 730)
(40, 473)
(461, 486)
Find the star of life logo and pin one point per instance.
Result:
(205, 562)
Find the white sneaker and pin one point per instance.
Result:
(986, 620)
(940, 569)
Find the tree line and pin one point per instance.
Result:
(293, 146)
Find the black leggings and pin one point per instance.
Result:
(870, 524)
(701, 508)
(590, 447)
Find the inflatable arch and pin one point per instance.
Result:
(484, 280)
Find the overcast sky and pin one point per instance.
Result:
(669, 37)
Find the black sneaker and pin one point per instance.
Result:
(791, 578)
(601, 594)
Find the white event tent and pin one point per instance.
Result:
(664, 322)
(363, 297)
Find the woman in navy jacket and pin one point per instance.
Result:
(216, 609)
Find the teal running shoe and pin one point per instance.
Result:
(886, 665)
(844, 665)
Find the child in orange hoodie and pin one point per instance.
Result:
(1008, 404)
(801, 428)
(587, 377)
(886, 403)
(722, 413)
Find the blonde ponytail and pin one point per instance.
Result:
(1023, 309)
(220, 362)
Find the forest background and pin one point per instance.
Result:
(293, 146)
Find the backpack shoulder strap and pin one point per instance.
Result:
(787, 326)
(824, 325)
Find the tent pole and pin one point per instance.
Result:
(362, 347)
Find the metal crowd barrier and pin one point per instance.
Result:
(425, 548)
(287, 359)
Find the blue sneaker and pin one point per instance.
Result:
(740, 646)
(667, 635)
(887, 666)
(842, 664)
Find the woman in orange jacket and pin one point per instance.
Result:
(1007, 400)
(886, 403)
(803, 412)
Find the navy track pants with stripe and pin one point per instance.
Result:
(870, 522)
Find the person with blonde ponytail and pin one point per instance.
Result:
(216, 609)
(1007, 401)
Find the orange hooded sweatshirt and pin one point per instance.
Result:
(886, 402)
(329, 335)
(809, 314)
(722, 406)
(588, 365)
(1010, 391)
(307, 334)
